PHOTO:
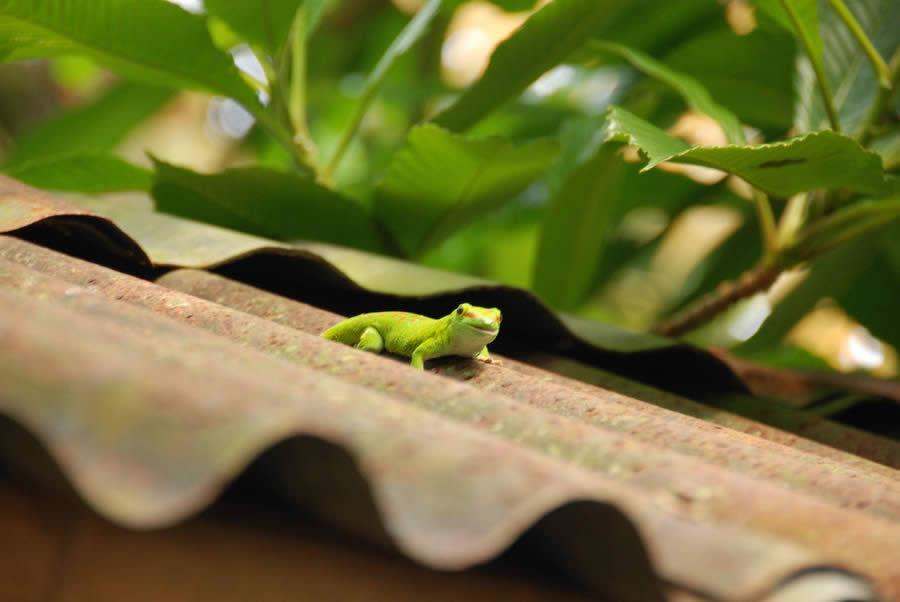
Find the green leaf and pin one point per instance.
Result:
(749, 74)
(888, 146)
(847, 70)
(439, 182)
(872, 300)
(855, 219)
(264, 202)
(508, 5)
(693, 92)
(265, 24)
(830, 275)
(547, 38)
(88, 173)
(414, 30)
(93, 128)
(584, 204)
(154, 42)
(806, 13)
(819, 160)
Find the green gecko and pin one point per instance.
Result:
(466, 332)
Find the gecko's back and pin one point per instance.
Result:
(402, 331)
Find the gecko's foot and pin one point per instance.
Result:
(490, 360)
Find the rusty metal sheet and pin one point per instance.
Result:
(753, 531)
(776, 423)
(874, 487)
(153, 417)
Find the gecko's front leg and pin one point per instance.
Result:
(485, 357)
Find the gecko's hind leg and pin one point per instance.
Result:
(370, 340)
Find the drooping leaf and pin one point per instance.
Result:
(848, 71)
(543, 41)
(264, 202)
(93, 128)
(439, 182)
(749, 74)
(83, 172)
(584, 201)
(154, 42)
(819, 160)
(693, 92)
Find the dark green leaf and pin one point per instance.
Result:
(88, 173)
(154, 42)
(873, 299)
(819, 160)
(264, 202)
(439, 182)
(693, 92)
(806, 14)
(848, 71)
(97, 127)
(750, 74)
(577, 223)
(545, 40)
(507, 5)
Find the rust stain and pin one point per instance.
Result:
(22, 205)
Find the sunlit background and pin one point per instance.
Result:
(208, 134)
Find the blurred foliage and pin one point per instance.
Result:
(350, 133)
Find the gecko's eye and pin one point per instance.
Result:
(460, 310)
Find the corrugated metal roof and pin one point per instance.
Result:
(153, 395)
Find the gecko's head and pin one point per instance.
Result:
(478, 324)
